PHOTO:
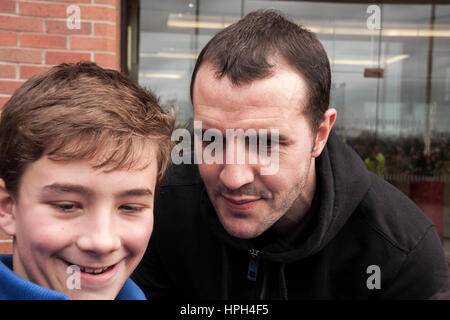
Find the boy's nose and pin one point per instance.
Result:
(99, 235)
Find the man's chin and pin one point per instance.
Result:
(241, 230)
(242, 225)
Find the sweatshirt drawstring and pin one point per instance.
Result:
(225, 275)
(283, 288)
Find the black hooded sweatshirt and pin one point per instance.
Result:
(360, 239)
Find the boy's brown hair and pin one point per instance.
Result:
(82, 111)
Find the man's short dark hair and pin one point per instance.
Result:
(241, 53)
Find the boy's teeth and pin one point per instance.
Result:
(94, 271)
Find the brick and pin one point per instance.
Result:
(43, 41)
(93, 44)
(21, 23)
(111, 2)
(7, 71)
(106, 60)
(3, 234)
(6, 247)
(8, 87)
(8, 38)
(57, 57)
(60, 27)
(8, 6)
(98, 13)
(3, 101)
(20, 55)
(71, 1)
(40, 9)
(27, 72)
(105, 30)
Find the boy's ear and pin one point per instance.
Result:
(7, 218)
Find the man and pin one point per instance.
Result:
(321, 227)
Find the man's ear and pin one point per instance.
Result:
(7, 217)
(329, 118)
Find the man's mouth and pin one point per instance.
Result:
(240, 204)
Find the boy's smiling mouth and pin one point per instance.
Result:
(96, 276)
(95, 270)
(92, 270)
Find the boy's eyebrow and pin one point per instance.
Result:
(75, 188)
(135, 192)
(69, 188)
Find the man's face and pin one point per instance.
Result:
(246, 201)
(68, 213)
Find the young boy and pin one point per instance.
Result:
(82, 150)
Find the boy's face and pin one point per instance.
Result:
(68, 213)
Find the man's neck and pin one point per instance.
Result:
(301, 205)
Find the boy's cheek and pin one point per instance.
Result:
(136, 244)
(41, 231)
(42, 240)
(135, 235)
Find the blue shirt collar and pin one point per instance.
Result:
(14, 287)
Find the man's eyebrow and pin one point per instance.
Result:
(281, 138)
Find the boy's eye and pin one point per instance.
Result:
(66, 206)
(131, 208)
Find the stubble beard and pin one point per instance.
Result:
(289, 203)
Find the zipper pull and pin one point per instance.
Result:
(253, 264)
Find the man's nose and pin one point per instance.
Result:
(99, 234)
(235, 176)
(237, 171)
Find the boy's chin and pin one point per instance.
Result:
(101, 294)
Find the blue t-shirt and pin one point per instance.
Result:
(14, 287)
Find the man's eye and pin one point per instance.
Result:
(206, 143)
(269, 143)
(210, 139)
(66, 206)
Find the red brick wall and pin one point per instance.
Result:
(5, 243)
(34, 36)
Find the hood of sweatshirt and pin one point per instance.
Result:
(342, 182)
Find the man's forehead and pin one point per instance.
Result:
(283, 93)
(249, 117)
